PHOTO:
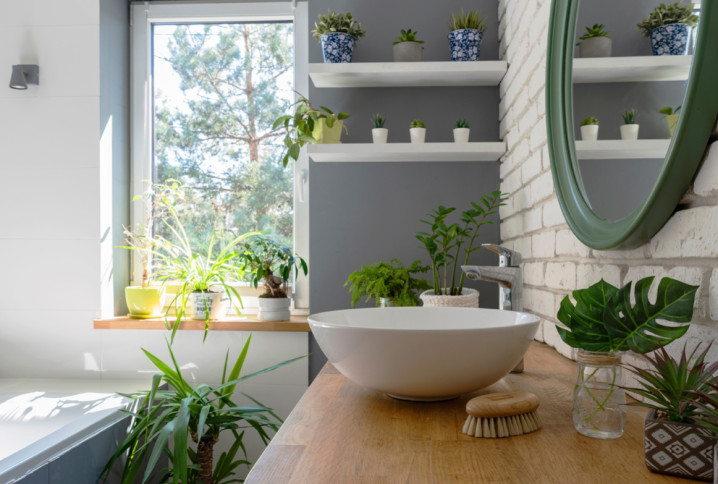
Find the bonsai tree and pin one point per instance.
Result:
(270, 262)
(468, 20)
(589, 121)
(595, 31)
(337, 22)
(407, 36)
(390, 280)
(673, 13)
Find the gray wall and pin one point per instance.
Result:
(361, 213)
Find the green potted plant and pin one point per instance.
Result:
(379, 133)
(465, 33)
(629, 128)
(407, 48)
(671, 116)
(589, 129)
(669, 28)
(417, 131)
(182, 423)
(337, 33)
(461, 131)
(309, 125)
(447, 242)
(390, 284)
(594, 42)
(271, 263)
(601, 325)
(674, 441)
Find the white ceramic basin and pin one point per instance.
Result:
(419, 353)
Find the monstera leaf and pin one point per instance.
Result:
(603, 318)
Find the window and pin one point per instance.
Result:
(208, 81)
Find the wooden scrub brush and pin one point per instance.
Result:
(502, 415)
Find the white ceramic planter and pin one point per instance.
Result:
(461, 135)
(629, 131)
(408, 52)
(469, 298)
(589, 132)
(379, 135)
(417, 134)
(273, 308)
(214, 303)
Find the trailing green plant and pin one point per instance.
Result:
(408, 36)
(595, 31)
(630, 116)
(603, 318)
(417, 123)
(446, 242)
(468, 20)
(590, 120)
(673, 13)
(183, 423)
(337, 22)
(388, 280)
(462, 123)
(669, 385)
(300, 125)
(378, 120)
(266, 260)
(668, 110)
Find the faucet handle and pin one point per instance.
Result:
(507, 257)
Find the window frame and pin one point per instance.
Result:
(143, 16)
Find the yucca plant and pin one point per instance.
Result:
(629, 117)
(462, 123)
(417, 123)
(468, 20)
(673, 13)
(378, 120)
(408, 36)
(337, 22)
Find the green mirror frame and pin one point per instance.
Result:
(685, 152)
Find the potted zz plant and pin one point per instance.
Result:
(337, 33)
(271, 263)
(629, 128)
(407, 48)
(466, 32)
(446, 243)
(461, 131)
(589, 129)
(595, 42)
(669, 28)
(603, 324)
(671, 117)
(379, 133)
(390, 284)
(417, 131)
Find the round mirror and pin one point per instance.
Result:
(614, 192)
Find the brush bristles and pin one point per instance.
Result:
(523, 423)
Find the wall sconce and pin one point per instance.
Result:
(24, 74)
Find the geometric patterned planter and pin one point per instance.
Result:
(678, 449)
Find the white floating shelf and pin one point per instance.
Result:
(616, 149)
(369, 152)
(408, 74)
(632, 69)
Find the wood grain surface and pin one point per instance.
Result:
(236, 323)
(341, 433)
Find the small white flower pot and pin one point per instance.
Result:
(629, 131)
(589, 132)
(379, 135)
(208, 305)
(417, 134)
(273, 308)
(461, 135)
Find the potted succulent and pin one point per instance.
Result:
(390, 284)
(271, 263)
(407, 48)
(603, 324)
(594, 42)
(669, 28)
(309, 125)
(629, 128)
(417, 131)
(466, 32)
(379, 133)
(671, 117)
(589, 129)
(674, 441)
(337, 33)
(461, 131)
(447, 242)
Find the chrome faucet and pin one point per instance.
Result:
(507, 275)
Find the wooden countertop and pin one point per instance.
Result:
(236, 323)
(342, 433)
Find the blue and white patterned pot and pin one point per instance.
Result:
(671, 39)
(465, 44)
(337, 47)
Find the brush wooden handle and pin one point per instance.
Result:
(495, 405)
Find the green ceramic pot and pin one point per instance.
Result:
(326, 135)
(144, 302)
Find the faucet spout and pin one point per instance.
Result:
(509, 280)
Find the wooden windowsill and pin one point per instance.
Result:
(237, 323)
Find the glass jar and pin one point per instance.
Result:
(598, 402)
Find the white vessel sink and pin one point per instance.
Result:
(419, 353)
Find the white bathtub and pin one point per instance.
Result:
(41, 420)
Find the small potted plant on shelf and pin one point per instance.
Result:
(407, 48)
(417, 131)
(390, 284)
(674, 442)
(466, 32)
(603, 324)
(379, 133)
(669, 28)
(589, 129)
(271, 263)
(671, 117)
(337, 33)
(629, 128)
(594, 42)
(447, 242)
(309, 125)
(461, 131)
